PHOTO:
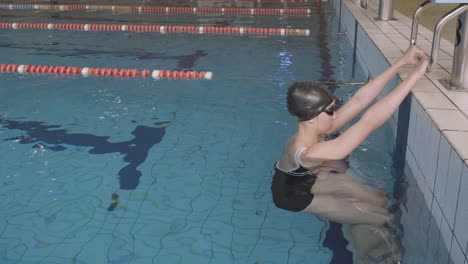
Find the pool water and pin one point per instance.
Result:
(134, 170)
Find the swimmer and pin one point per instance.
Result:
(307, 177)
(311, 174)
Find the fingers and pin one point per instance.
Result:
(413, 55)
(420, 58)
(424, 59)
(422, 65)
(413, 49)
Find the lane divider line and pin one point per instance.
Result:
(167, 10)
(160, 28)
(87, 71)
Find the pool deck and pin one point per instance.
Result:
(447, 109)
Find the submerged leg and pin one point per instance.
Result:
(347, 211)
(344, 186)
(372, 244)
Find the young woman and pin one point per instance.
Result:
(308, 175)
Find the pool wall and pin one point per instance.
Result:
(429, 131)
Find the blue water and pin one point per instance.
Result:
(190, 160)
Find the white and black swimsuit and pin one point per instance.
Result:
(292, 182)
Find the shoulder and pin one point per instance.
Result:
(309, 161)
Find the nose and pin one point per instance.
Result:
(334, 115)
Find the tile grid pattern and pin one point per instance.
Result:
(438, 127)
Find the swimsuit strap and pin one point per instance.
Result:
(297, 156)
(294, 173)
(297, 159)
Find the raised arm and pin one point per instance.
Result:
(367, 94)
(378, 114)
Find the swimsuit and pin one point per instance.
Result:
(291, 189)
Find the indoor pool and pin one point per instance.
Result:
(138, 170)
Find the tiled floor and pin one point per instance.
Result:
(448, 109)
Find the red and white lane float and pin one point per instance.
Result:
(86, 71)
(160, 29)
(165, 9)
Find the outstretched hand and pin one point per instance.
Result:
(412, 54)
(421, 65)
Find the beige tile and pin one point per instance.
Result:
(426, 36)
(406, 32)
(365, 20)
(386, 44)
(403, 44)
(460, 99)
(392, 53)
(459, 141)
(372, 29)
(385, 27)
(361, 17)
(397, 24)
(434, 100)
(448, 48)
(445, 42)
(438, 74)
(378, 36)
(449, 119)
(444, 55)
(425, 86)
(446, 63)
(465, 112)
(424, 30)
(372, 13)
(390, 30)
(373, 4)
(423, 42)
(403, 28)
(437, 83)
(397, 36)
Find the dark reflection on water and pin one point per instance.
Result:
(51, 137)
(184, 62)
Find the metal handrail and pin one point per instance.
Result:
(414, 26)
(386, 10)
(437, 33)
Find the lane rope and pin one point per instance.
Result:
(160, 28)
(343, 83)
(164, 9)
(87, 71)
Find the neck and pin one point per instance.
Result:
(306, 134)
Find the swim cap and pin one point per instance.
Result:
(307, 100)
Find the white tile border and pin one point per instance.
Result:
(448, 119)
(459, 140)
(434, 100)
